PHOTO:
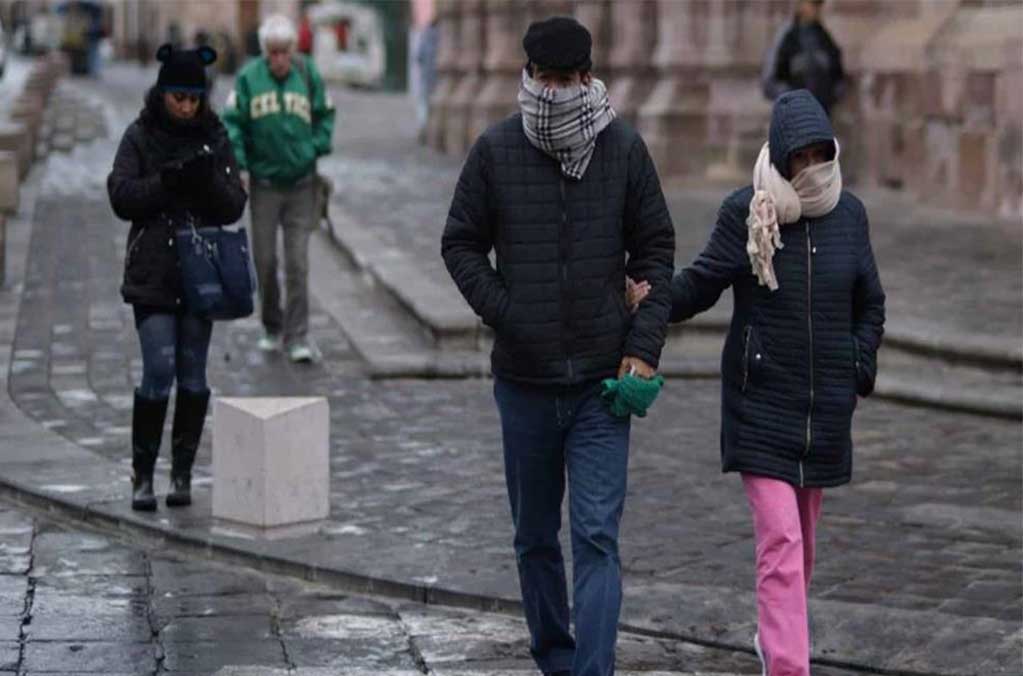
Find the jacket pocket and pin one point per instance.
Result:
(133, 245)
(865, 370)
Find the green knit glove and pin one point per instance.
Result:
(631, 395)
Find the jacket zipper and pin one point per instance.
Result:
(134, 242)
(745, 357)
(809, 321)
(563, 255)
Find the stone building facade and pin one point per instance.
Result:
(935, 104)
(144, 24)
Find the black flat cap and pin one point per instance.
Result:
(559, 43)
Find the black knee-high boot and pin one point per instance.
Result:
(147, 420)
(189, 416)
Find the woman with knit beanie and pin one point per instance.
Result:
(808, 320)
(174, 169)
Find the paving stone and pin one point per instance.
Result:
(10, 654)
(166, 608)
(121, 629)
(383, 654)
(217, 628)
(208, 657)
(95, 585)
(50, 601)
(10, 628)
(88, 657)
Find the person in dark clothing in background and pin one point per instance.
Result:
(809, 314)
(568, 197)
(174, 169)
(804, 56)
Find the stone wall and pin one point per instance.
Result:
(935, 104)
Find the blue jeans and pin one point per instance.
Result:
(547, 430)
(173, 346)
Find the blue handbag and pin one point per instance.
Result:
(216, 272)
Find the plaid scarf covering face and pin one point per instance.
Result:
(564, 123)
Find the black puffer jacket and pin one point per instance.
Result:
(557, 297)
(151, 274)
(795, 358)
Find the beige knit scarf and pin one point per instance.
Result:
(776, 201)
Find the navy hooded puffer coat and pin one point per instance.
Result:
(794, 359)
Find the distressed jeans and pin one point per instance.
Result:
(174, 347)
(547, 433)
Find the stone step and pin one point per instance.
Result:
(451, 325)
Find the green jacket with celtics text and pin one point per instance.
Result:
(279, 127)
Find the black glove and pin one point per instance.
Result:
(192, 173)
(171, 176)
(198, 169)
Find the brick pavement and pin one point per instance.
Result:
(919, 557)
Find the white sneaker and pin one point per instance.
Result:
(760, 654)
(300, 353)
(269, 342)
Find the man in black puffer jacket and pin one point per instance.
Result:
(569, 198)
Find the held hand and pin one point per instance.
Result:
(635, 292)
(636, 367)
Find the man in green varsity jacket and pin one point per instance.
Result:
(280, 120)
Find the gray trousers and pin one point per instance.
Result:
(294, 209)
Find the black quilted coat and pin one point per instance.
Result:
(557, 298)
(151, 275)
(795, 358)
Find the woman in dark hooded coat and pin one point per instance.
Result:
(174, 169)
(808, 319)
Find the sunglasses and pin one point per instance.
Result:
(181, 97)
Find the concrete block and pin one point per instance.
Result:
(271, 460)
(8, 182)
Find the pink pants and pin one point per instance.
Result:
(784, 521)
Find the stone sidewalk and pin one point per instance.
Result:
(919, 557)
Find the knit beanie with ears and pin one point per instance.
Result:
(183, 70)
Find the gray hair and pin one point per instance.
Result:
(276, 29)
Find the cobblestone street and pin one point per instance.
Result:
(919, 558)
